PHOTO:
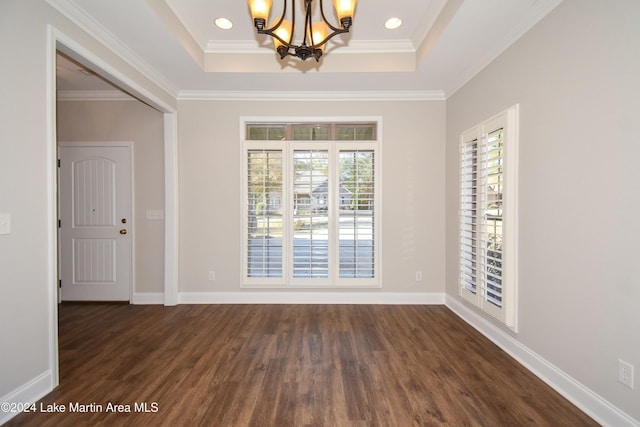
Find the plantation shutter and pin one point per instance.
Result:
(469, 215)
(492, 178)
(311, 203)
(487, 216)
(264, 225)
(356, 207)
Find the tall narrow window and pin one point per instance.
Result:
(264, 209)
(311, 197)
(488, 217)
(310, 213)
(357, 205)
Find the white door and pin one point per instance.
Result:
(95, 218)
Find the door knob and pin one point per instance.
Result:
(123, 231)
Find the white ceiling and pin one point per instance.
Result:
(441, 45)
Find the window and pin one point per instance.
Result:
(311, 202)
(488, 182)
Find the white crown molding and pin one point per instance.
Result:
(303, 297)
(354, 46)
(588, 401)
(93, 95)
(540, 9)
(97, 31)
(427, 95)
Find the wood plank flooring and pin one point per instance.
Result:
(289, 365)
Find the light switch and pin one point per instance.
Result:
(155, 215)
(5, 223)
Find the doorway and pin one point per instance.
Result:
(62, 44)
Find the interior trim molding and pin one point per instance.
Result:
(147, 298)
(203, 95)
(248, 47)
(310, 297)
(584, 398)
(29, 392)
(116, 95)
(80, 18)
(94, 95)
(537, 12)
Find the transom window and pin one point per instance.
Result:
(311, 204)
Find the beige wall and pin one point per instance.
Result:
(575, 75)
(412, 188)
(129, 121)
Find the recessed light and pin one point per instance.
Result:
(223, 23)
(393, 23)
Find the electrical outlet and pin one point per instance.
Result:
(625, 373)
(212, 275)
(418, 276)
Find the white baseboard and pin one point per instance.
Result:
(302, 297)
(147, 298)
(30, 392)
(589, 402)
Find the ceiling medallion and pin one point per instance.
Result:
(316, 34)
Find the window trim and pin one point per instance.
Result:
(507, 314)
(334, 147)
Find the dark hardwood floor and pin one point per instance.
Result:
(288, 365)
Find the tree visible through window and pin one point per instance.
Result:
(311, 204)
(488, 250)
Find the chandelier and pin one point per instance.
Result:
(316, 34)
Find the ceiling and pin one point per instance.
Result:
(439, 47)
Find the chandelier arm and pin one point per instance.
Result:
(293, 21)
(302, 51)
(307, 24)
(326, 21)
(330, 36)
(270, 31)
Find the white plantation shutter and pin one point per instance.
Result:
(310, 214)
(492, 172)
(487, 216)
(264, 209)
(357, 205)
(469, 212)
(311, 198)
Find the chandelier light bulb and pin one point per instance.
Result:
(315, 34)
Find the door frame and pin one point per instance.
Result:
(131, 221)
(59, 41)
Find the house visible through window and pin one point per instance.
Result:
(488, 249)
(311, 204)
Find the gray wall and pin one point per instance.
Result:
(27, 186)
(412, 188)
(133, 121)
(576, 78)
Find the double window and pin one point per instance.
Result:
(488, 217)
(311, 203)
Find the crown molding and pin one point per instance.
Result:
(427, 95)
(539, 10)
(93, 95)
(85, 22)
(350, 47)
